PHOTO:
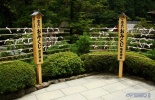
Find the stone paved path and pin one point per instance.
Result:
(96, 87)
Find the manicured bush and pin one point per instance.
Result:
(139, 65)
(150, 54)
(61, 65)
(82, 45)
(15, 76)
(100, 61)
(60, 46)
(135, 64)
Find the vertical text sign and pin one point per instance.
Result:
(122, 37)
(37, 37)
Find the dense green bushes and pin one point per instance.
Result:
(150, 54)
(135, 64)
(61, 65)
(15, 76)
(82, 45)
(100, 61)
(60, 46)
(140, 65)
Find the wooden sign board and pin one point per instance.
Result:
(37, 43)
(37, 37)
(122, 37)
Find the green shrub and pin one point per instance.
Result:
(60, 46)
(100, 61)
(82, 45)
(61, 65)
(150, 54)
(135, 64)
(113, 34)
(140, 65)
(15, 76)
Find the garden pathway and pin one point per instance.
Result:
(96, 87)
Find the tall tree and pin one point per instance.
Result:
(79, 13)
(6, 15)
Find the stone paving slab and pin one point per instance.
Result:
(129, 82)
(28, 97)
(96, 87)
(50, 95)
(57, 86)
(77, 82)
(38, 92)
(134, 90)
(140, 99)
(115, 96)
(92, 78)
(95, 84)
(152, 93)
(73, 90)
(114, 87)
(99, 98)
(72, 97)
(148, 86)
(94, 93)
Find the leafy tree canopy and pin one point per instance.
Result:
(79, 13)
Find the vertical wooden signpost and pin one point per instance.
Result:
(37, 43)
(122, 31)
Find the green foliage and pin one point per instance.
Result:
(61, 65)
(81, 24)
(82, 45)
(139, 43)
(15, 76)
(144, 23)
(100, 61)
(17, 47)
(60, 46)
(135, 64)
(79, 13)
(4, 54)
(73, 48)
(139, 65)
(150, 54)
(74, 38)
(105, 41)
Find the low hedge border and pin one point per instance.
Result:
(62, 64)
(12, 96)
(135, 64)
(22, 92)
(15, 76)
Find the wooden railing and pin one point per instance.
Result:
(137, 40)
(16, 43)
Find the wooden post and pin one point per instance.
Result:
(39, 73)
(122, 35)
(37, 43)
(120, 75)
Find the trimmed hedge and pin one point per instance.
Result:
(61, 65)
(15, 76)
(140, 65)
(100, 61)
(135, 64)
